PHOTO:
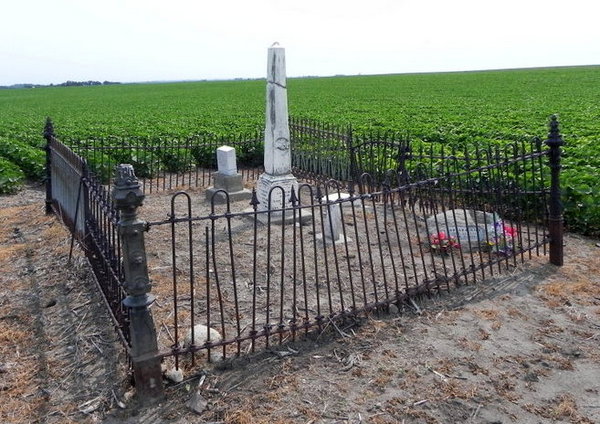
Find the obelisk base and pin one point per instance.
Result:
(280, 189)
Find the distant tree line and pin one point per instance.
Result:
(64, 84)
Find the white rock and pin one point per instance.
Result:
(128, 395)
(197, 403)
(201, 335)
(175, 375)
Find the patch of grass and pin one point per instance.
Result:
(565, 292)
(562, 407)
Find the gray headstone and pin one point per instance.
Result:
(472, 228)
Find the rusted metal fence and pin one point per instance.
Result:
(261, 280)
(436, 218)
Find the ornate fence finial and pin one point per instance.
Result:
(554, 137)
(127, 193)
(254, 201)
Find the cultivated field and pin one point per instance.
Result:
(447, 107)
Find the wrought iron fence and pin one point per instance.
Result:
(84, 205)
(320, 152)
(259, 278)
(439, 217)
(164, 163)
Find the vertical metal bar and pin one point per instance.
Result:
(175, 347)
(419, 196)
(555, 207)
(303, 254)
(324, 245)
(319, 317)
(331, 204)
(233, 276)
(49, 135)
(368, 240)
(485, 194)
(397, 231)
(254, 203)
(387, 203)
(216, 271)
(207, 266)
(508, 191)
(518, 192)
(433, 231)
(540, 225)
(448, 180)
(542, 187)
(379, 247)
(459, 201)
(77, 203)
(192, 279)
(498, 187)
(267, 326)
(281, 325)
(350, 278)
(529, 184)
(295, 219)
(478, 200)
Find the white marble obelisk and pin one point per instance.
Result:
(278, 155)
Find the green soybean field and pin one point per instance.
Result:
(452, 108)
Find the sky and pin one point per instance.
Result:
(44, 41)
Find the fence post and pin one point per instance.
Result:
(555, 206)
(48, 135)
(128, 196)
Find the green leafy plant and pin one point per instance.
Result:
(11, 177)
(31, 160)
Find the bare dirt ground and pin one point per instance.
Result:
(518, 348)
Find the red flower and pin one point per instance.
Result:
(510, 231)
